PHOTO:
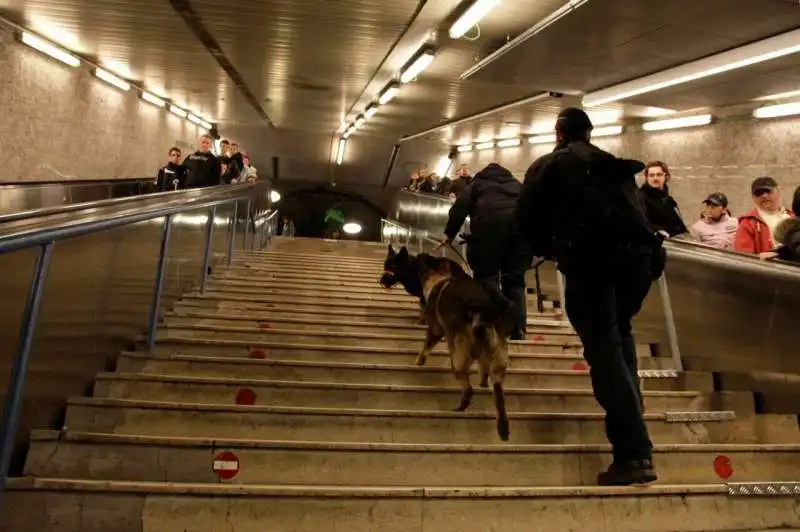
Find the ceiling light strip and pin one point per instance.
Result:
(418, 63)
(472, 16)
(779, 96)
(537, 28)
(177, 111)
(774, 47)
(677, 123)
(502, 107)
(607, 131)
(543, 139)
(388, 93)
(485, 145)
(371, 109)
(112, 79)
(509, 143)
(464, 148)
(50, 49)
(776, 111)
(340, 150)
(153, 99)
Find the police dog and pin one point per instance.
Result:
(459, 310)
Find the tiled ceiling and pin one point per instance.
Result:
(312, 63)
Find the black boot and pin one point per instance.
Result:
(627, 473)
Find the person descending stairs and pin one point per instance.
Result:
(285, 398)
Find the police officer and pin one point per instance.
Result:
(496, 252)
(580, 206)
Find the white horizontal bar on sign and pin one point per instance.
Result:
(744, 56)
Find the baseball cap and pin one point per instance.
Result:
(717, 198)
(573, 122)
(763, 184)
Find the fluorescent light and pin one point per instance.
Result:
(543, 139)
(465, 148)
(340, 150)
(779, 46)
(779, 96)
(274, 196)
(349, 131)
(371, 109)
(420, 62)
(602, 118)
(152, 98)
(351, 228)
(773, 111)
(177, 111)
(111, 79)
(676, 123)
(194, 119)
(509, 143)
(50, 49)
(360, 119)
(485, 145)
(205, 124)
(471, 17)
(607, 131)
(443, 166)
(388, 93)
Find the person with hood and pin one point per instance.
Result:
(756, 232)
(787, 235)
(609, 255)
(717, 228)
(662, 209)
(496, 253)
(203, 168)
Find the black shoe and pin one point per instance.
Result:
(627, 473)
(517, 335)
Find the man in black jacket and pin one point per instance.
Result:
(496, 252)
(605, 248)
(203, 168)
(173, 175)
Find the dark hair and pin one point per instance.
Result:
(173, 149)
(796, 202)
(660, 164)
(224, 141)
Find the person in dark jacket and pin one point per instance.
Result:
(787, 235)
(662, 209)
(496, 252)
(203, 168)
(173, 175)
(462, 180)
(605, 248)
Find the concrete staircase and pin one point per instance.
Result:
(285, 399)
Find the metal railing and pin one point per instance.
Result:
(259, 226)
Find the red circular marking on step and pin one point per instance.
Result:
(723, 467)
(226, 465)
(265, 326)
(246, 397)
(258, 353)
(579, 366)
(539, 338)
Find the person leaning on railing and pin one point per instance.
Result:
(787, 235)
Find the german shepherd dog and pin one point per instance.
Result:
(458, 309)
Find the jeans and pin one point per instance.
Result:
(600, 309)
(499, 258)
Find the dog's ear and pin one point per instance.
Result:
(391, 251)
(443, 268)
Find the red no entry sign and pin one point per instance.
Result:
(226, 465)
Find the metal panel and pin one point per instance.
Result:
(16, 198)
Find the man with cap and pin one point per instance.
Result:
(756, 231)
(609, 254)
(716, 227)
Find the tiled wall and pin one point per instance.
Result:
(61, 123)
(723, 157)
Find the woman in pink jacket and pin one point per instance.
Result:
(717, 228)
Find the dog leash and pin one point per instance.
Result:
(464, 263)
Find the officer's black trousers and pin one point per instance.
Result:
(600, 308)
(499, 258)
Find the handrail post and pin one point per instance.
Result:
(232, 240)
(669, 318)
(246, 225)
(539, 300)
(562, 292)
(154, 308)
(19, 371)
(207, 252)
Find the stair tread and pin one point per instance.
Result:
(352, 412)
(235, 381)
(188, 441)
(461, 492)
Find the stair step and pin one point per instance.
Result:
(218, 390)
(408, 374)
(34, 504)
(156, 418)
(327, 294)
(103, 456)
(245, 337)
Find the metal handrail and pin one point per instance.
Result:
(90, 221)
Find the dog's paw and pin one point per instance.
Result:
(503, 429)
(420, 361)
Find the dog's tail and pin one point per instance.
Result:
(480, 328)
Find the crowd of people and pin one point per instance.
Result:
(770, 229)
(203, 168)
(608, 244)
